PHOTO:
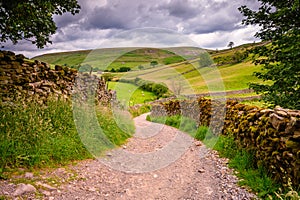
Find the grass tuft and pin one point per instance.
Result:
(45, 135)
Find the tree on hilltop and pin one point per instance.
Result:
(230, 44)
(279, 23)
(32, 20)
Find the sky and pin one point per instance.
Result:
(210, 24)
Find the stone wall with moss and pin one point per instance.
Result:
(273, 135)
(27, 80)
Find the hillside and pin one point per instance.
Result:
(108, 58)
(182, 74)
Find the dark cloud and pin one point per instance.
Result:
(181, 9)
(99, 20)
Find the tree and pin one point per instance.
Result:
(32, 20)
(124, 69)
(153, 63)
(230, 44)
(280, 24)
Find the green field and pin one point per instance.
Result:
(200, 80)
(130, 94)
(182, 74)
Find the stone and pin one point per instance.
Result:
(198, 143)
(46, 193)
(23, 189)
(276, 121)
(46, 186)
(281, 113)
(28, 175)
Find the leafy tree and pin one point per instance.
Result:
(32, 19)
(124, 69)
(153, 63)
(230, 44)
(280, 24)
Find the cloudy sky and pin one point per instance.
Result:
(105, 23)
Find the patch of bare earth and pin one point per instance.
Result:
(159, 162)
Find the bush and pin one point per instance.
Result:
(124, 69)
(203, 132)
(159, 89)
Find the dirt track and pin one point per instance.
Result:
(159, 162)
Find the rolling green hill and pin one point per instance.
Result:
(109, 58)
(182, 74)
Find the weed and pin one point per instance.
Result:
(45, 135)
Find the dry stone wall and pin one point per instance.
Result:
(27, 80)
(274, 135)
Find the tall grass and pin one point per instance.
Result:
(37, 135)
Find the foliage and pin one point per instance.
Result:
(32, 20)
(202, 133)
(43, 135)
(107, 76)
(279, 22)
(243, 162)
(159, 89)
(153, 63)
(230, 44)
(124, 69)
(236, 57)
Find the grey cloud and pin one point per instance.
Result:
(202, 16)
(98, 20)
(181, 9)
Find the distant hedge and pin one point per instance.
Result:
(159, 89)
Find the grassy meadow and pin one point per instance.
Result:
(130, 94)
(182, 74)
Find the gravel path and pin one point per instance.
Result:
(159, 162)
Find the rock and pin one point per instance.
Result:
(276, 120)
(282, 113)
(46, 193)
(201, 171)
(28, 175)
(198, 143)
(46, 186)
(24, 188)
